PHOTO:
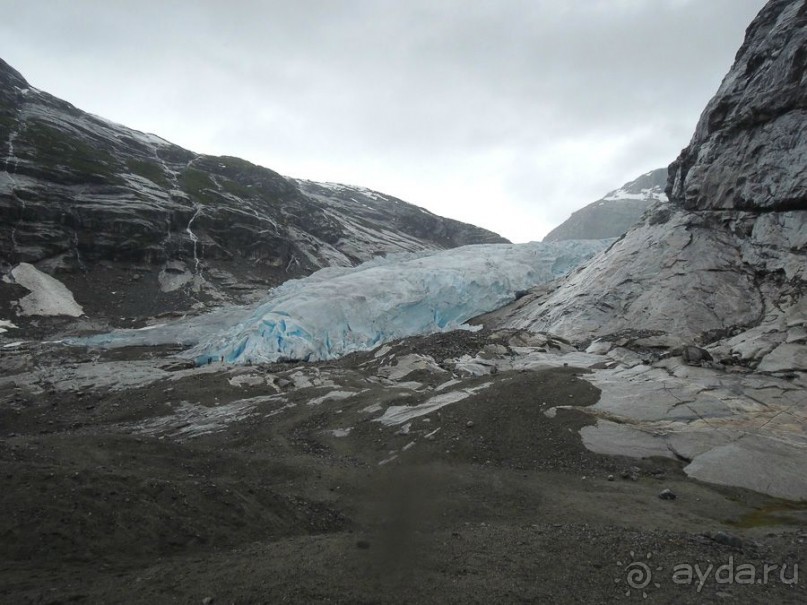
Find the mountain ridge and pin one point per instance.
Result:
(96, 201)
(614, 213)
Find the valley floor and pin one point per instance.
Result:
(383, 477)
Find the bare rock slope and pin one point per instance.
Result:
(724, 263)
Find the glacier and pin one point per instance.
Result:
(340, 310)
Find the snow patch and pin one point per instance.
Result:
(333, 396)
(48, 295)
(382, 351)
(408, 364)
(6, 325)
(190, 421)
(647, 194)
(247, 380)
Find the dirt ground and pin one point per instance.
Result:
(109, 496)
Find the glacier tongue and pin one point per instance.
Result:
(341, 310)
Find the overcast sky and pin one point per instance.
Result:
(508, 114)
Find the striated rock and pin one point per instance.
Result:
(717, 273)
(739, 429)
(599, 347)
(758, 463)
(749, 150)
(683, 277)
(615, 213)
(724, 262)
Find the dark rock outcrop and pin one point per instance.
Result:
(749, 151)
(615, 213)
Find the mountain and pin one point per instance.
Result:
(615, 213)
(130, 219)
(456, 466)
(724, 263)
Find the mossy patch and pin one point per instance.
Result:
(149, 170)
(233, 163)
(7, 124)
(780, 512)
(237, 189)
(55, 149)
(198, 185)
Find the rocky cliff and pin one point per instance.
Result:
(131, 221)
(612, 215)
(724, 263)
(749, 150)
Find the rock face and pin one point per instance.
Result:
(615, 213)
(724, 263)
(81, 196)
(749, 151)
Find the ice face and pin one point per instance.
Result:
(340, 310)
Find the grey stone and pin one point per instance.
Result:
(599, 347)
(695, 355)
(785, 357)
(722, 537)
(633, 473)
(758, 463)
(749, 149)
(615, 439)
(667, 494)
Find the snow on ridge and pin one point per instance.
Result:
(342, 187)
(648, 193)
